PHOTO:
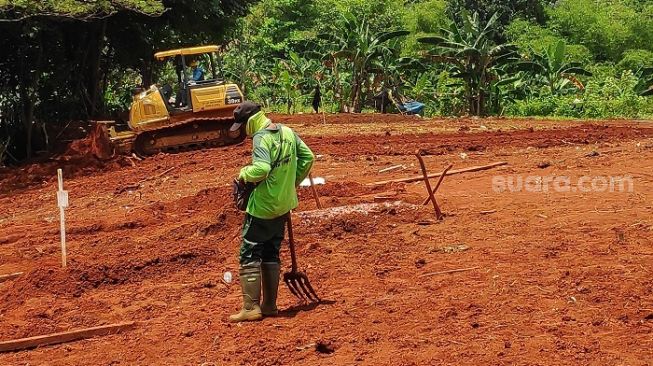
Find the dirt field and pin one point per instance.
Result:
(559, 278)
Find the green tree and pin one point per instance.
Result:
(508, 10)
(551, 69)
(361, 47)
(421, 19)
(607, 27)
(474, 58)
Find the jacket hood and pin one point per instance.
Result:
(256, 123)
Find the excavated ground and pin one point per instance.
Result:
(560, 277)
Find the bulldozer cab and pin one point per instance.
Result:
(193, 68)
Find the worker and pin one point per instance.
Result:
(198, 71)
(280, 161)
(317, 99)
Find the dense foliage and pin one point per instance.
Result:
(74, 59)
(527, 57)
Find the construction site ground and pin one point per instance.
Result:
(552, 278)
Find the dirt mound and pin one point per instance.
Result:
(80, 277)
(445, 143)
(40, 173)
(340, 118)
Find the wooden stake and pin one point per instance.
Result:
(438, 212)
(10, 276)
(452, 172)
(437, 186)
(449, 271)
(63, 337)
(62, 203)
(317, 197)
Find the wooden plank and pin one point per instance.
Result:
(63, 337)
(451, 172)
(395, 167)
(10, 276)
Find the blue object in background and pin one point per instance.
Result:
(414, 108)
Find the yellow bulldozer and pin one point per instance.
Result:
(195, 113)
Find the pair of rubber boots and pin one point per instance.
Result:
(251, 277)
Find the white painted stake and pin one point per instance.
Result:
(62, 202)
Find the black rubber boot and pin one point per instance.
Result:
(250, 283)
(270, 273)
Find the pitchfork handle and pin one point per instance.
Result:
(291, 244)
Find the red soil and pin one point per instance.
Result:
(562, 278)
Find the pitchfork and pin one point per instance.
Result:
(296, 281)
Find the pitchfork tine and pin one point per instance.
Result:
(304, 290)
(292, 286)
(311, 291)
(306, 287)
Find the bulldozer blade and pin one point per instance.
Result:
(101, 145)
(300, 286)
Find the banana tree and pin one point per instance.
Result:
(472, 56)
(361, 47)
(551, 69)
(392, 70)
(644, 85)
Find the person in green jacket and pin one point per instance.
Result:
(280, 161)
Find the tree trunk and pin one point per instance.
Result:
(356, 92)
(28, 118)
(93, 81)
(146, 73)
(31, 73)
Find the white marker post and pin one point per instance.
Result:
(62, 202)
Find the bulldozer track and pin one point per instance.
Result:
(194, 134)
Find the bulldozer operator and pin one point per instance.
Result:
(280, 161)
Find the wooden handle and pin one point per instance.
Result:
(315, 195)
(291, 244)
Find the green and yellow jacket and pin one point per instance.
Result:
(276, 192)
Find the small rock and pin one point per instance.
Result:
(420, 263)
(544, 164)
(325, 347)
